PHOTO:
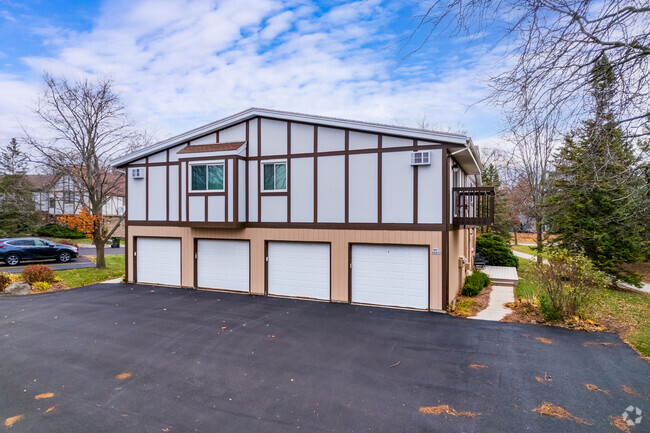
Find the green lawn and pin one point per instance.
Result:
(84, 277)
(525, 249)
(84, 241)
(630, 309)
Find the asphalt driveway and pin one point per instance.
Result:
(131, 358)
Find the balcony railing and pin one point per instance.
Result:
(473, 206)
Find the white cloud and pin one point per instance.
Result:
(181, 64)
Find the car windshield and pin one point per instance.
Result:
(42, 243)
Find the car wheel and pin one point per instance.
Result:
(64, 257)
(12, 259)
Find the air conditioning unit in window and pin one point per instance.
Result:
(137, 173)
(422, 157)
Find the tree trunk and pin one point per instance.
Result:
(101, 261)
(516, 236)
(540, 243)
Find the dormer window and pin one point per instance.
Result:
(207, 177)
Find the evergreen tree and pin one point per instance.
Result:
(17, 210)
(501, 226)
(596, 208)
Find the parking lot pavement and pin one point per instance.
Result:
(78, 263)
(136, 358)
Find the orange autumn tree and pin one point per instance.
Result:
(83, 222)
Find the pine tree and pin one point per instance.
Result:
(501, 226)
(595, 208)
(17, 210)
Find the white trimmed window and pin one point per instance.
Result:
(207, 177)
(274, 176)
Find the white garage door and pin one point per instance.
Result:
(159, 261)
(299, 269)
(391, 275)
(222, 265)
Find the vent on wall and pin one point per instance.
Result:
(137, 173)
(421, 158)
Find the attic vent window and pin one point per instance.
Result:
(421, 158)
(137, 173)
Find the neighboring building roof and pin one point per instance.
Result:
(216, 147)
(458, 139)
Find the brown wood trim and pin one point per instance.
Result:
(210, 193)
(344, 152)
(274, 194)
(259, 169)
(167, 193)
(225, 188)
(246, 170)
(126, 227)
(347, 176)
(315, 156)
(152, 164)
(211, 158)
(135, 259)
(180, 191)
(196, 258)
(296, 225)
(288, 174)
(445, 188)
(205, 208)
(217, 134)
(379, 179)
(187, 191)
(266, 268)
(235, 190)
(445, 233)
(350, 272)
(146, 193)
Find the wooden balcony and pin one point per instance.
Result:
(473, 206)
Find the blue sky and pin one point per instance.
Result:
(179, 64)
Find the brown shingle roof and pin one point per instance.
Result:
(216, 147)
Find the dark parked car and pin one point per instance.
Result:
(15, 250)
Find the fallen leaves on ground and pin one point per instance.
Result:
(556, 411)
(44, 395)
(9, 422)
(123, 376)
(547, 378)
(592, 387)
(544, 340)
(597, 343)
(395, 365)
(477, 366)
(634, 392)
(619, 423)
(50, 409)
(443, 408)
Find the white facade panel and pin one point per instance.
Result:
(206, 139)
(397, 188)
(137, 198)
(361, 140)
(274, 137)
(430, 190)
(223, 265)
(216, 208)
(183, 192)
(173, 193)
(173, 152)
(302, 138)
(274, 208)
(302, 190)
(197, 208)
(390, 275)
(234, 133)
(158, 157)
(252, 137)
(157, 193)
(299, 269)
(363, 188)
(242, 190)
(252, 191)
(231, 190)
(331, 189)
(158, 261)
(388, 141)
(330, 139)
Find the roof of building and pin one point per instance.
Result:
(215, 147)
(441, 137)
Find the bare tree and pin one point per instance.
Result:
(553, 46)
(88, 127)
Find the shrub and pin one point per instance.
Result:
(5, 280)
(59, 231)
(495, 249)
(474, 283)
(42, 286)
(548, 311)
(38, 273)
(569, 282)
(67, 242)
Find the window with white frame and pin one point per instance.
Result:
(275, 176)
(207, 177)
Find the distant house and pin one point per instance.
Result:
(58, 195)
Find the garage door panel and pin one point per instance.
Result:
(299, 269)
(223, 264)
(158, 261)
(391, 275)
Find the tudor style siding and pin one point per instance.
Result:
(335, 176)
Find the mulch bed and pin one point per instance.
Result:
(482, 300)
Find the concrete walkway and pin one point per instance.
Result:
(504, 279)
